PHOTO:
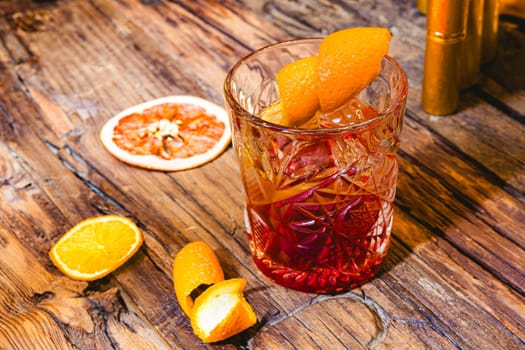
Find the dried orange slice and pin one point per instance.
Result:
(348, 60)
(169, 134)
(194, 265)
(95, 247)
(221, 311)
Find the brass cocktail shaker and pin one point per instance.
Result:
(471, 50)
(422, 6)
(461, 35)
(489, 38)
(446, 34)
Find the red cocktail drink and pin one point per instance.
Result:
(318, 198)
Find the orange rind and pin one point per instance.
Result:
(218, 312)
(298, 91)
(347, 61)
(195, 265)
(221, 311)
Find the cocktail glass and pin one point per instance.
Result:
(318, 199)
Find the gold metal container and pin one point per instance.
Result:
(422, 6)
(489, 41)
(471, 51)
(514, 8)
(446, 33)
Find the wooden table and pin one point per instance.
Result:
(455, 276)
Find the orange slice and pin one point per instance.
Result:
(195, 265)
(169, 134)
(274, 114)
(221, 311)
(95, 247)
(348, 60)
(298, 91)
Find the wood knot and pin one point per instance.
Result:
(32, 21)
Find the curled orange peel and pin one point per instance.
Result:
(195, 265)
(346, 62)
(221, 310)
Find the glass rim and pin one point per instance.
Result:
(402, 95)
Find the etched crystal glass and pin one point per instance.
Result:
(319, 200)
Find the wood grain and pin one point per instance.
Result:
(455, 275)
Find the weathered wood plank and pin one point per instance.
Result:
(39, 307)
(457, 234)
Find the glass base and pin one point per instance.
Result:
(315, 279)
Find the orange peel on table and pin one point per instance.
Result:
(221, 310)
(195, 264)
(347, 61)
(96, 247)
